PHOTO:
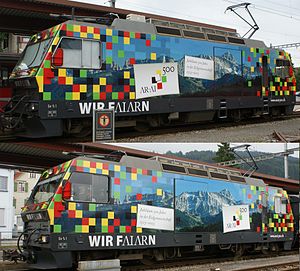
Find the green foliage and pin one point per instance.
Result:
(224, 153)
(297, 74)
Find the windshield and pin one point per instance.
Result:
(33, 55)
(45, 189)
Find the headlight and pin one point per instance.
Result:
(33, 107)
(44, 239)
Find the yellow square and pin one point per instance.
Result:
(252, 69)
(96, 88)
(139, 230)
(260, 60)
(158, 72)
(117, 168)
(159, 192)
(62, 72)
(133, 209)
(108, 32)
(69, 80)
(251, 50)
(76, 28)
(86, 164)
(110, 215)
(78, 214)
(67, 175)
(51, 216)
(279, 228)
(259, 197)
(83, 88)
(133, 176)
(76, 96)
(102, 81)
(40, 82)
(126, 40)
(72, 206)
(56, 40)
(252, 205)
(83, 35)
(132, 95)
(153, 56)
(97, 36)
(92, 221)
(273, 88)
(92, 170)
(271, 225)
(90, 30)
(85, 228)
(99, 165)
(105, 172)
(104, 221)
(126, 75)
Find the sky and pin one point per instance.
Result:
(186, 147)
(279, 21)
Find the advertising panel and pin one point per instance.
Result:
(235, 218)
(199, 68)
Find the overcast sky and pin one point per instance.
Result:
(279, 21)
(186, 147)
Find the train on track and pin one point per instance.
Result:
(133, 208)
(150, 72)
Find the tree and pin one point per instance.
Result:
(224, 153)
(297, 74)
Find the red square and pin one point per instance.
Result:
(267, 93)
(238, 223)
(132, 61)
(133, 170)
(126, 88)
(61, 80)
(120, 96)
(139, 196)
(109, 45)
(71, 213)
(84, 221)
(133, 222)
(117, 181)
(249, 59)
(80, 169)
(154, 179)
(249, 196)
(148, 43)
(144, 172)
(105, 166)
(116, 222)
(93, 164)
(111, 229)
(159, 85)
(103, 96)
(69, 33)
(268, 52)
(108, 88)
(48, 56)
(126, 34)
(137, 35)
(258, 229)
(64, 27)
(258, 93)
(96, 30)
(76, 88)
(128, 229)
(83, 29)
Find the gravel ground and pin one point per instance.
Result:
(261, 132)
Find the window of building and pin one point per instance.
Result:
(89, 187)
(2, 217)
(14, 202)
(32, 175)
(22, 187)
(3, 183)
(78, 53)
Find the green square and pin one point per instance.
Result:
(117, 195)
(122, 229)
(244, 191)
(79, 163)
(250, 219)
(139, 171)
(276, 93)
(249, 84)
(121, 54)
(105, 229)
(261, 51)
(57, 197)
(109, 60)
(78, 228)
(128, 189)
(153, 37)
(132, 35)
(69, 27)
(240, 217)
(40, 72)
(243, 53)
(254, 54)
(275, 229)
(96, 96)
(115, 96)
(164, 79)
(92, 207)
(159, 173)
(46, 96)
(115, 39)
(123, 175)
(47, 64)
(131, 82)
(57, 228)
(83, 73)
(69, 96)
(279, 220)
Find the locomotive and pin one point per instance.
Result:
(92, 208)
(150, 72)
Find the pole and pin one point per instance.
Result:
(286, 165)
(113, 3)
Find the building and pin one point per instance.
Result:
(23, 185)
(6, 203)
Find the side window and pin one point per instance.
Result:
(282, 68)
(280, 205)
(78, 53)
(89, 187)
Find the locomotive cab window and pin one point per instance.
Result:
(282, 68)
(88, 187)
(280, 205)
(77, 53)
